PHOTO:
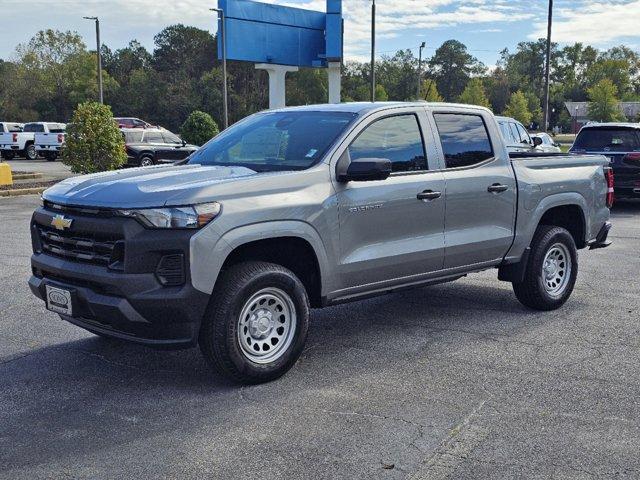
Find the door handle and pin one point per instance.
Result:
(428, 195)
(497, 188)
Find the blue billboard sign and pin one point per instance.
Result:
(266, 33)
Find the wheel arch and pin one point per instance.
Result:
(296, 245)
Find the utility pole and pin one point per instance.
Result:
(422, 45)
(545, 110)
(98, 51)
(225, 100)
(373, 50)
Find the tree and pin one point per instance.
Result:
(518, 108)
(198, 128)
(429, 91)
(474, 94)
(93, 141)
(603, 103)
(451, 67)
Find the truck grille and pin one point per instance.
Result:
(83, 247)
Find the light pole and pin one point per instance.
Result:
(422, 45)
(545, 110)
(373, 50)
(225, 103)
(99, 56)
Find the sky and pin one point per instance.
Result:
(485, 26)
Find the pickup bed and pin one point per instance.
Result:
(308, 207)
(23, 143)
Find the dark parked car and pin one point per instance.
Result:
(620, 142)
(149, 146)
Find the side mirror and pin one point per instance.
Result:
(184, 143)
(363, 169)
(537, 141)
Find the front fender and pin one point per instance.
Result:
(210, 248)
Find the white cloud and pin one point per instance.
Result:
(595, 22)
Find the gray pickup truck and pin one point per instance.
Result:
(309, 207)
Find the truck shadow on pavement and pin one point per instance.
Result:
(93, 394)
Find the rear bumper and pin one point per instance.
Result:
(48, 148)
(601, 240)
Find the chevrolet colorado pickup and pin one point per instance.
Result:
(308, 207)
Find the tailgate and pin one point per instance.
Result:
(48, 139)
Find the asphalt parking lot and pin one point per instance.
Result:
(452, 381)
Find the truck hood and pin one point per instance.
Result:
(143, 187)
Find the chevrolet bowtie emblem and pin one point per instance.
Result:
(60, 222)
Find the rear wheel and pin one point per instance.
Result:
(146, 161)
(256, 324)
(551, 271)
(30, 152)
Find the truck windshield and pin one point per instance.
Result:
(608, 140)
(275, 141)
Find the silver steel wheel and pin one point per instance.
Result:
(266, 325)
(146, 162)
(556, 269)
(31, 153)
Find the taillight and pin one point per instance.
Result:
(608, 173)
(15, 137)
(632, 158)
(60, 138)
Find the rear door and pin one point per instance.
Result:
(387, 232)
(156, 143)
(480, 190)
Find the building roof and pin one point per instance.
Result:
(581, 109)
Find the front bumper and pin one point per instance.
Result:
(125, 299)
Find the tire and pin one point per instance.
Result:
(51, 156)
(30, 152)
(146, 161)
(551, 270)
(253, 303)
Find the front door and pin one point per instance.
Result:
(480, 194)
(391, 229)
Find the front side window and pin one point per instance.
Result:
(153, 137)
(397, 138)
(464, 137)
(524, 136)
(171, 138)
(275, 141)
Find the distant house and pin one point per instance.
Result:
(579, 112)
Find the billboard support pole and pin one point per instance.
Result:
(277, 74)
(333, 72)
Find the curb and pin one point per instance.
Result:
(26, 176)
(22, 191)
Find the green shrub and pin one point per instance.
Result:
(93, 141)
(198, 128)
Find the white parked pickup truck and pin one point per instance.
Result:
(49, 142)
(8, 134)
(23, 143)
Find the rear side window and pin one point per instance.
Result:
(132, 137)
(55, 127)
(465, 140)
(524, 136)
(506, 133)
(13, 127)
(397, 138)
(608, 140)
(34, 127)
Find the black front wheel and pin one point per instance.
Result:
(551, 271)
(256, 324)
(146, 161)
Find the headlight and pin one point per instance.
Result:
(194, 216)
